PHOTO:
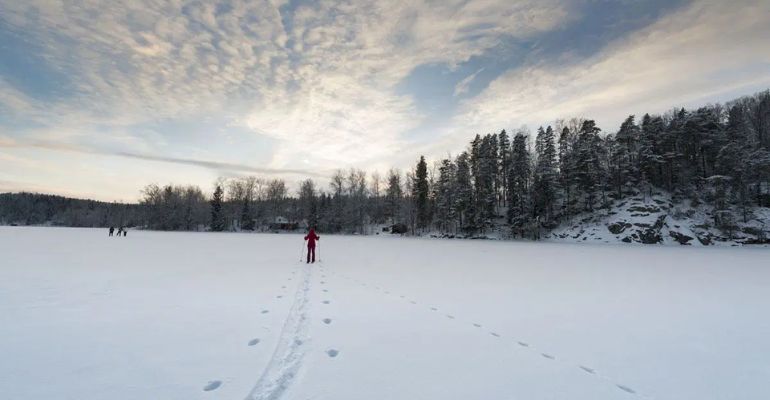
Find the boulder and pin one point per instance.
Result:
(617, 227)
(681, 237)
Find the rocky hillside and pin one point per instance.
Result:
(659, 220)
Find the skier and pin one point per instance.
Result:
(112, 230)
(311, 238)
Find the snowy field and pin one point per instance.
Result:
(236, 316)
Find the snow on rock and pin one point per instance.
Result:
(660, 220)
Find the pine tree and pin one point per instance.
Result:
(217, 218)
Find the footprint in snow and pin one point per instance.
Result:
(212, 385)
(626, 389)
(326, 301)
(434, 309)
(495, 334)
(253, 342)
(413, 302)
(477, 325)
(327, 321)
(332, 353)
(283, 287)
(265, 311)
(279, 296)
(326, 290)
(323, 282)
(523, 344)
(450, 316)
(548, 356)
(589, 370)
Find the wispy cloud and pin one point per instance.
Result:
(708, 50)
(216, 166)
(318, 80)
(463, 86)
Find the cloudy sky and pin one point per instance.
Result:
(99, 98)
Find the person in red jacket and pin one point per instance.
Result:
(311, 238)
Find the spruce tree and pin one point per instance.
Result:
(445, 195)
(518, 186)
(546, 175)
(393, 197)
(504, 151)
(420, 193)
(587, 163)
(217, 217)
(464, 194)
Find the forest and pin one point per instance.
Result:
(522, 182)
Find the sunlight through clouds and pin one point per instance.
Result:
(323, 82)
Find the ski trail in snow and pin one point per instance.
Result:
(286, 360)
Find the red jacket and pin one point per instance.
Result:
(311, 238)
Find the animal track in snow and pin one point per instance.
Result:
(279, 296)
(477, 325)
(265, 311)
(548, 356)
(212, 385)
(327, 321)
(450, 316)
(495, 334)
(434, 309)
(523, 344)
(332, 353)
(253, 342)
(326, 301)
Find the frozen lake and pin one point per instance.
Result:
(236, 316)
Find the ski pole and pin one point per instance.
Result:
(301, 251)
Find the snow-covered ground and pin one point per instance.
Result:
(231, 316)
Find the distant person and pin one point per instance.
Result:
(112, 230)
(120, 231)
(125, 232)
(311, 238)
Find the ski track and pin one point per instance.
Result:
(522, 344)
(286, 361)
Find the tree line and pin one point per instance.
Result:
(521, 182)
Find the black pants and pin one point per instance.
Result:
(310, 251)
